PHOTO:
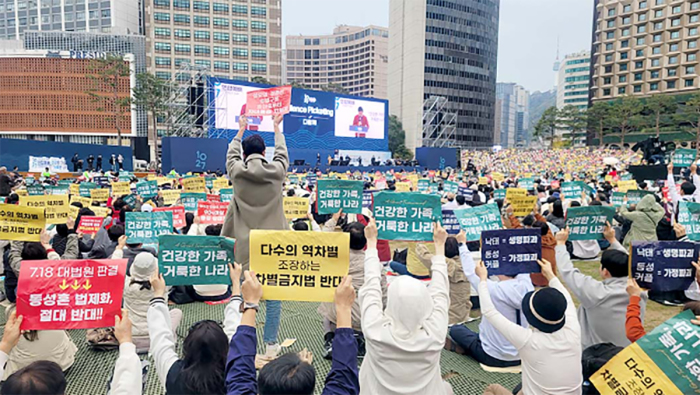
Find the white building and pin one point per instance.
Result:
(574, 80)
(512, 127)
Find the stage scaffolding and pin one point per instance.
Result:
(439, 123)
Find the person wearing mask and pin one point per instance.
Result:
(404, 342)
(644, 219)
(257, 204)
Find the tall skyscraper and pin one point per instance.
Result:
(644, 47)
(512, 128)
(448, 49)
(231, 39)
(573, 80)
(353, 57)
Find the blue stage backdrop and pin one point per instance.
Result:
(15, 152)
(187, 154)
(317, 120)
(437, 158)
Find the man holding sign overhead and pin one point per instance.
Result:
(257, 203)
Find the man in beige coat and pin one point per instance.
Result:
(256, 204)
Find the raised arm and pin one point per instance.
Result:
(671, 184)
(127, 370)
(465, 256)
(370, 294)
(281, 154)
(588, 290)
(240, 363)
(235, 149)
(159, 330)
(232, 313)
(439, 286)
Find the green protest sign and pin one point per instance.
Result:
(194, 260)
(499, 194)
(85, 188)
(147, 189)
(689, 216)
(226, 194)
(451, 187)
(527, 183)
(147, 227)
(209, 182)
(336, 194)
(130, 200)
(423, 185)
(65, 182)
(477, 219)
(683, 157)
(588, 222)
(618, 199)
(636, 195)
(58, 189)
(406, 215)
(190, 200)
(574, 189)
(625, 177)
(35, 190)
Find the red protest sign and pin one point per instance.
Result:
(90, 225)
(213, 198)
(71, 294)
(271, 101)
(211, 212)
(178, 215)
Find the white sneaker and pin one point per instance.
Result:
(272, 350)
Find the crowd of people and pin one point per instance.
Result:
(393, 315)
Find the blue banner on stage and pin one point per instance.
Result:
(664, 266)
(450, 222)
(512, 251)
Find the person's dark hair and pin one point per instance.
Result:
(616, 262)
(542, 225)
(558, 209)
(39, 378)
(62, 230)
(596, 203)
(115, 232)
(291, 192)
(77, 204)
(451, 247)
(287, 375)
(529, 220)
(359, 109)
(213, 230)
(204, 360)
(12, 199)
(86, 212)
(358, 241)
(300, 226)
(693, 306)
(253, 145)
(499, 203)
(189, 220)
(688, 188)
(34, 252)
(122, 213)
(575, 204)
(642, 185)
(119, 204)
(460, 199)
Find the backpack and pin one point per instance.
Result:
(592, 359)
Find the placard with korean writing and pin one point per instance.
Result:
(403, 186)
(689, 216)
(194, 260)
(523, 205)
(450, 222)
(300, 266)
(84, 188)
(683, 157)
(336, 194)
(147, 189)
(70, 294)
(423, 185)
(663, 266)
(21, 223)
(450, 187)
(56, 207)
(120, 189)
(35, 190)
(499, 194)
(57, 189)
(477, 219)
(511, 251)
(190, 200)
(618, 199)
(574, 189)
(146, 227)
(89, 225)
(194, 184)
(219, 184)
(526, 183)
(635, 196)
(226, 195)
(99, 195)
(178, 215)
(170, 196)
(466, 192)
(368, 198)
(512, 193)
(665, 361)
(588, 223)
(270, 101)
(296, 207)
(624, 186)
(406, 216)
(101, 211)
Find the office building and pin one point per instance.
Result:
(238, 39)
(353, 57)
(444, 49)
(644, 47)
(573, 81)
(512, 126)
(93, 16)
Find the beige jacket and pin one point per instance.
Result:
(54, 346)
(257, 203)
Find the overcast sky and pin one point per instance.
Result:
(527, 39)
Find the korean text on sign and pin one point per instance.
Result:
(663, 266)
(522, 205)
(271, 101)
(194, 260)
(301, 266)
(146, 227)
(21, 223)
(689, 216)
(190, 200)
(178, 215)
(478, 219)
(406, 216)
(588, 223)
(511, 251)
(90, 225)
(450, 222)
(72, 294)
(336, 194)
(194, 185)
(56, 208)
(211, 212)
(296, 207)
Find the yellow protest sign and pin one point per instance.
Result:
(170, 196)
(523, 205)
(74, 189)
(21, 192)
(219, 183)
(164, 180)
(403, 187)
(483, 181)
(23, 223)
(99, 195)
(512, 193)
(100, 211)
(296, 207)
(498, 176)
(194, 184)
(73, 211)
(413, 179)
(300, 266)
(608, 178)
(624, 186)
(120, 189)
(56, 206)
(86, 202)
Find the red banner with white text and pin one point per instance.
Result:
(211, 212)
(271, 101)
(178, 215)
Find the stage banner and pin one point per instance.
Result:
(663, 266)
(477, 219)
(511, 251)
(178, 215)
(450, 222)
(296, 207)
(190, 200)
(55, 164)
(624, 186)
(573, 189)
(147, 189)
(194, 260)
(618, 199)
(499, 194)
(99, 195)
(90, 225)
(523, 205)
(84, 189)
(689, 216)
(299, 266)
(21, 223)
(226, 194)
(406, 216)
(170, 196)
(70, 294)
(683, 157)
(268, 102)
(635, 196)
(451, 187)
(664, 361)
(526, 183)
(588, 223)
(56, 207)
(120, 189)
(193, 185)
(336, 194)
(146, 227)
(211, 212)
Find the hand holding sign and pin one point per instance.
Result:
(633, 288)
(546, 268)
(158, 285)
(482, 271)
(10, 337)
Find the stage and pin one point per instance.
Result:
(343, 169)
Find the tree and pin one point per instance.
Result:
(152, 93)
(572, 119)
(658, 106)
(624, 113)
(397, 139)
(691, 112)
(547, 125)
(109, 75)
(334, 88)
(261, 80)
(597, 116)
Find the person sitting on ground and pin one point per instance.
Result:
(291, 373)
(644, 219)
(404, 342)
(550, 349)
(104, 248)
(210, 292)
(489, 346)
(603, 303)
(557, 217)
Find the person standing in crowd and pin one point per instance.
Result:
(98, 163)
(113, 162)
(257, 204)
(74, 161)
(120, 160)
(644, 219)
(90, 162)
(6, 182)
